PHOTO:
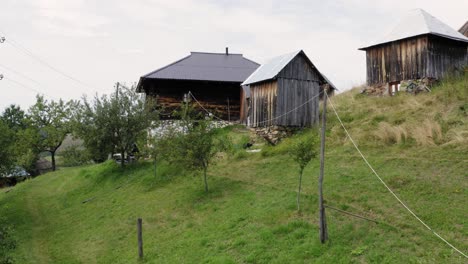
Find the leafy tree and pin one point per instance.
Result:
(302, 150)
(14, 117)
(114, 122)
(197, 144)
(50, 124)
(6, 148)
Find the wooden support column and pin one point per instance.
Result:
(322, 219)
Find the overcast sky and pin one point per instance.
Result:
(94, 44)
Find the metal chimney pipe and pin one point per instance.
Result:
(227, 51)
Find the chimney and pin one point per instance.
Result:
(227, 51)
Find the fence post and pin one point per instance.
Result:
(140, 239)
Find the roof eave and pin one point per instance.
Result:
(415, 36)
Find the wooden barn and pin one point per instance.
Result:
(285, 92)
(214, 79)
(419, 47)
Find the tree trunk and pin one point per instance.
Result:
(299, 191)
(155, 167)
(206, 182)
(52, 153)
(122, 160)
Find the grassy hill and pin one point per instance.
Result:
(418, 145)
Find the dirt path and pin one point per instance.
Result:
(39, 247)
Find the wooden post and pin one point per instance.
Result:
(323, 222)
(140, 239)
(229, 111)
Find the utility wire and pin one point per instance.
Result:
(20, 74)
(26, 51)
(294, 109)
(265, 121)
(386, 186)
(25, 86)
(209, 113)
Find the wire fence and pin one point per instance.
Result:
(385, 184)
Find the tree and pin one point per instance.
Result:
(114, 122)
(50, 124)
(6, 148)
(197, 144)
(302, 150)
(14, 117)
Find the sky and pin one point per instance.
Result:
(70, 48)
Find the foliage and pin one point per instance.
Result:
(196, 145)
(50, 124)
(75, 156)
(114, 123)
(14, 117)
(6, 148)
(249, 214)
(302, 150)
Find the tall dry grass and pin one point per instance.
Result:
(389, 134)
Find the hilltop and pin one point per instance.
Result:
(417, 144)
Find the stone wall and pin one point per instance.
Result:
(274, 134)
(410, 86)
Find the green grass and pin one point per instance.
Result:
(249, 215)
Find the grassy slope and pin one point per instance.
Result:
(249, 215)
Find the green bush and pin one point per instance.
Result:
(75, 156)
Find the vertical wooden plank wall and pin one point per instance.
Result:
(263, 97)
(293, 94)
(414, 58)
(296, 84)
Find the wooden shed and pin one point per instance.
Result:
(213, 78)
(419, 47)
(285, 91)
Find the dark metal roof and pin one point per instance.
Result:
(204, 66)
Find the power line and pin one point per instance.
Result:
(209, 113)
(20, 74)
(386, 186)
(26, 51)
(261, 122)
(294, 109)
(25, 86)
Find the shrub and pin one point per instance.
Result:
(75, 156)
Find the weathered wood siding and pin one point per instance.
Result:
(274, 102)
(299, 94)
(212, 95)
(396, 61)
(414, 58)
(263, 101)
(445, 56)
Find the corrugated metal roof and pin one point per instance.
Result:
(271, 69)
(207, 67)
(419, 22)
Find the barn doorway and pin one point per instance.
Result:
(393, 88)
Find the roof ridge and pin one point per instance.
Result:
(214, 53)
(426, 16)
(415, 23)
